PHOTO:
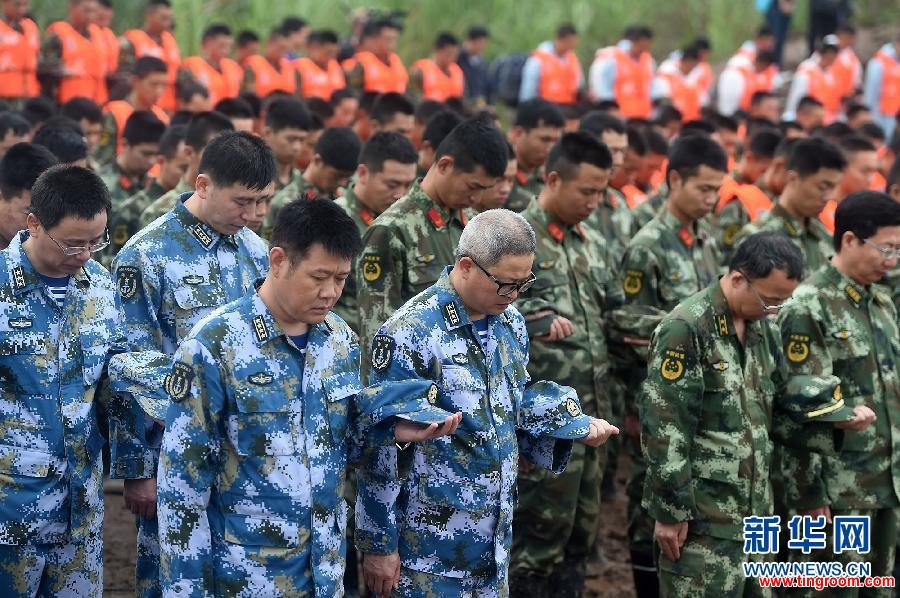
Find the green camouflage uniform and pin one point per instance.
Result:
(664, 264)
(297, 187)
(835, 326)
(163, 204)
(707, 430)
(644, 213)
(613, 220)
(892, 283)
(124, 220)
(729, 221)
(404, 252)
(525, 188)
(556, 520)
(813, 238)
(105, 154)
(347, 306)
(120, 185)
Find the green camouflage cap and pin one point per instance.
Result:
(816, 398)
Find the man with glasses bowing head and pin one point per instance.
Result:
(434, 518)
(58, 321)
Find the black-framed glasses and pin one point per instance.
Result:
(769, 309)
(885, 251)
(505, 289)
(72, 251)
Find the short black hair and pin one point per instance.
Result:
(157, 3)
(238, 158)
(234, 108)
(809, 102)
(203, 126)
(690, 52)
(566, 30)
(700, 127)
(339, 148)
(38, 109)
(143, 126)
(439, 126)
(322, 37)
(384, 146)
(189, 89)
(729, 123)
(762, 252)
(854, 143)
(215, 30)
(246, 37)
(293, 24)
(845, 28)
(863, 213)
(300, 224)
(765, 58)
(319, 107)
(339, 95)
(428, 108)
(538, 112)
(64, 190)
(813, 154)
(786, 147)
(608, 106)
(12, 121)
(386, 105)
(20, 167)
(667, 113)
(701, 43)
(872, 132)
(789, 125)
(477, 32)
(147, 65)
(288, 113)
(855, 108)
(80, 108)
(636, 141)
(475, 143)
(764, 31)
(597, 122)
(171, 139)
(656, 142)
(764, 143)
(688, 154)
(444, 39)
(836, 131)
(759, 97)
(65, 142)
(574, 149)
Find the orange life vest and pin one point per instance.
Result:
(121, 110)
(845, 71)
(268, 79)
(632, 86)
(827, 215)
(822, 86)
(167, 51)
(438, 85)
(110, 49)
(559, 76)
(890, 83)
(85, 60)
(316, 82)
(754, 81)
(18, 60)
(686, 95)
(222, 84)
(879, 183)
(633, 196)
(379, 77)
(756, 203)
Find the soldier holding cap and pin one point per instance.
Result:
(840, 324)
(435, 518)
(714, 401)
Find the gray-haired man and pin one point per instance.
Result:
(436, 518)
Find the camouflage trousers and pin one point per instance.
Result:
(418, 584)
(884, 525)
(640, 525)
(73, 569)
(556, 518)
(146, 570)
(708, 567)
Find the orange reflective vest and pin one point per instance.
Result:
(890, 83)
(822, 86)
(559, 77)
(879, 183)
(756, 203)
(633, 196)
(110, 49)
(222, 84)
(167, 51)
(18, 60)
(379, 77)
(827, 215)
(686, 95)
(632, 87)
(85, 62)
(267, 78)
(846, 72)
(755, 81)
(437, 84)
(121, 110)
(316, 82)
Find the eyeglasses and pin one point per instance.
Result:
(70, 251)
(888, 253)
(505, 289)
(769, 309)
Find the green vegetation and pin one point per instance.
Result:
(516, 25)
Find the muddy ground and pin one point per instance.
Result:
(611, 578)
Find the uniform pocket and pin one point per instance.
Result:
(246, 530)
(264, 424)
(23, 362)
(458, 494)
(339, 390)
(193, 302)
(463, 389)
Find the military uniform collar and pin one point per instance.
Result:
(557, 230)
(455, 313)
(723, 320)
(201, 232)
(855, 293)
(525, 179)
(295, 176)
(687, 235)
(264, 326)
(22, 275)
(612, 198)
(128, 183)
(357, 207)
(436, 216)
(796, 229)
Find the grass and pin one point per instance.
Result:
(516, 25)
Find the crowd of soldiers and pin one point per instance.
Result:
(358, 334)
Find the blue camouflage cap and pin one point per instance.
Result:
(414, 400)
(553, 410)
